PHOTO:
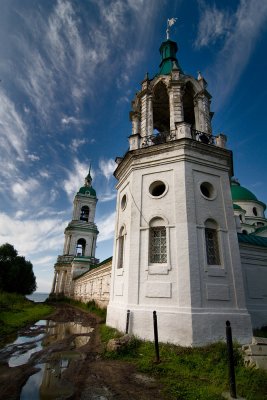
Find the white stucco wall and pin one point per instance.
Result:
(254, 267)
(94, 285)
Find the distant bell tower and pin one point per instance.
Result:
(80, 240)
(176, 249)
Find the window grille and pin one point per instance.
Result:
(120, 252)
(158, 247)
(212, 247)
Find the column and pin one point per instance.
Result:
(149, 115)
(54, 282)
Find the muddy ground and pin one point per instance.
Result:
(88, 375)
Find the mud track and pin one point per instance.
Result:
(88, 376)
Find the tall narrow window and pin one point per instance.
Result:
(157, 241)
(84, 213)
(212, 244)
(121, 241)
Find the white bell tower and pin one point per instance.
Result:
(80, 241)
(176, 249)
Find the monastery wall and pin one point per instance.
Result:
(254, 268)
(94, 285)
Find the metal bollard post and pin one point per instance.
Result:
(231, 364)
(156, 336)
(127, 321)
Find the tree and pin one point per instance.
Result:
(16, 274)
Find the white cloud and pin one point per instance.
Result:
(22, 189)
(32, 236)
(103, 198)
(20, 214)
(214, 24)
(76, 143)
(33, 157)
(73, 121)
(246, 24)
(44, 174)
(107, 167)
(106, 225)
(75, 178)
(13, 132)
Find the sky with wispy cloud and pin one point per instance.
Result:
(68, 72)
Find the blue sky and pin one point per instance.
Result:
(69, 70)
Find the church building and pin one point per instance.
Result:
(190, 242)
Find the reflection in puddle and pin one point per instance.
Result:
(48, 382)
(23, 353)
(30, 390)
(60, 331)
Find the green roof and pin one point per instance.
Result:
(252, 240)
(240, 193)
(258, 230)
(168, 50)
(87, 190)
(236, 207)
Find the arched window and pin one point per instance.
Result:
(121, 243)
(84, 213)
(161, 108)
(212, 244)
(157, 241)
(80, 248)
(188, 104)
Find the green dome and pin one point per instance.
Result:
(236, 207)
(239, 193)
(87, 190)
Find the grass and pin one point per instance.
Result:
(16, 311)
(192, 373)
(90, 306)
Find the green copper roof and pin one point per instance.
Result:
(236, 207)
(87, 190)
(253, 240)
(240, 193)
(168, 52)
(87, 187)
(259, 230)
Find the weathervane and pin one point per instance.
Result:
(170, 22)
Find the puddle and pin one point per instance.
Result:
(48, 382)
(23, 353)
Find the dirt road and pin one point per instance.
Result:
(71, 365)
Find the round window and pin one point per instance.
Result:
(123, 201)
(207, 190)
(157, 188)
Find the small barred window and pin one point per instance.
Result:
(158, 247)
(121, 250)
(121, 243)
(212, 247)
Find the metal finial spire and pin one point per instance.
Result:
(170, 22)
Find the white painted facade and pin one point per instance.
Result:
(80, 242)
(94, 285)
(193, 299)
(173, 183)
